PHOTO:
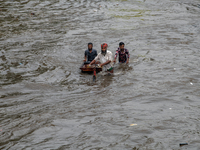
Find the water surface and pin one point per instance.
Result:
(47, 103)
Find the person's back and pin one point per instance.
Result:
(90, 53)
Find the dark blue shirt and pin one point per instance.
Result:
(90, 56)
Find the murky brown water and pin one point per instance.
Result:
(47, 103)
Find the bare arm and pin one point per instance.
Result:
(92, 62)
(115, 57)
(127, 61)
(85, 58)
(114, 60)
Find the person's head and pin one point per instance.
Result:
(121, 45)
(104, 48)
(90, 45)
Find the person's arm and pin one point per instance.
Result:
(85, 57)
(127, 61)
(95, 59)
(115, 56)
(92, 62)
(128, 56)
(107, 62)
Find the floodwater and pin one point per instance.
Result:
(151, 104)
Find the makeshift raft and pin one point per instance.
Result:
(85, 68)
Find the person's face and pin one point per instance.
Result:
(103, 49)
(90, 46)
(121, 47)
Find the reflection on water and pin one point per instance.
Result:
(47, 103)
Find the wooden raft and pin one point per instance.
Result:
(89, 69)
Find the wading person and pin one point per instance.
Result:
(123, 54)
(104, 58)
(90, 53)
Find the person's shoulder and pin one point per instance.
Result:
(117, 50)
(109, 52)
(94, 50)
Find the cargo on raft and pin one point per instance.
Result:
(85, 68)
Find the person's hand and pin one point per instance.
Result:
(114, 61)
(84, 60)
(127, 62)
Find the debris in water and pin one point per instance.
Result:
(174, 68)
(170, 108)
(152, 59)
(182, 144)
(191, 83)
(32, 13)
(133, 125)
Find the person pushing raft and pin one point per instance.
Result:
(123, 54)
(90, 54)
(104, 58)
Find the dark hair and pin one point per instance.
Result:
(90, 44)
(121, 43)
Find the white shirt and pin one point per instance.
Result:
(100, 57)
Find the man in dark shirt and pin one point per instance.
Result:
(90, 53)
(123, 54)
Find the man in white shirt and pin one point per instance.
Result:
(105, 58)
